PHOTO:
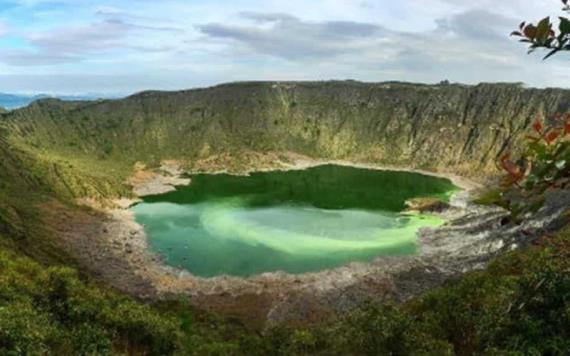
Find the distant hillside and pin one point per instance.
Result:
(13, 101)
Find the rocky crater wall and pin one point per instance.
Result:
(455, 128)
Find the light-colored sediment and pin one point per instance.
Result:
(163, 180)
(117, 251)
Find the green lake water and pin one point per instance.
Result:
(292, 221)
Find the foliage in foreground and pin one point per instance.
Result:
(519, 305)
(545, 34)
(53, 310)
(545, 163)
(543, 166)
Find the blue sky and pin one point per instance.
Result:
(119, 47)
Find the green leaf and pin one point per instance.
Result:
(543, 29)
(564, 25)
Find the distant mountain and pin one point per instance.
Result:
(14, 101)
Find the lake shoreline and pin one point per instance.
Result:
(284, 161)
(127, 243)
(306, 163)
(305, 220)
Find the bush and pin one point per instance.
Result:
(519, 305)
(53, 309)
(24, 330)
(387, 330)
(544, 165)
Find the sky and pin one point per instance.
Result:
(124, 46)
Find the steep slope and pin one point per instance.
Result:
(446, 127)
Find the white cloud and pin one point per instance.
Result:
(113, 32)
(291, 38)
(470, 38)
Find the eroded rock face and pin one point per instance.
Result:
(455, 128)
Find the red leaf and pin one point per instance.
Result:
(530, 31)
(514, 172)
(567, 127)
(537, 125)
(551, 136)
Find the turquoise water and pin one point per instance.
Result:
(294, 221)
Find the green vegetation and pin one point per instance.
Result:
(541, 168)
(456, 127)
(519, 305)
(53, 310)
(543, 165)
(545, 35)
(55, 152)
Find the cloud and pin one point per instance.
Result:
(26, 58)
(470, 45)
(87, 39)
(291, 38)
(3, 29)
(270, 17)
(477, 24)
(180, 44)
(470, 38)
(76, 43)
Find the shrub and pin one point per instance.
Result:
(544, 165)
(24, 330)
(54, 310)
